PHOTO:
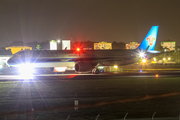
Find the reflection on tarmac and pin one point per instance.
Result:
(91, 76)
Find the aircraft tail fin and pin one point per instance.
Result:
(149, 41)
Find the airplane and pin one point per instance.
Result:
(85, 60)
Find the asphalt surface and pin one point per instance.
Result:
(52, 96)
(65, 76)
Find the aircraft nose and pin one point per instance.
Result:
(12, 61)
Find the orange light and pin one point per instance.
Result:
(78, 49)
(157, 75)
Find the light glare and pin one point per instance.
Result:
(26, 71)
(141, 54)
(115, 66)
(144, 60)
(78, 49)
(157, 75)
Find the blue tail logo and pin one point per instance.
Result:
(149, 41)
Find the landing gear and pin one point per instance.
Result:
(95, 71)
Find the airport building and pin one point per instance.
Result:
(15, 49)
(60, 45)
(171, 45)
(132, 45)
(102, 46)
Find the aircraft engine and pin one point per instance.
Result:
(83, 66)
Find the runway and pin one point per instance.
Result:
(90, 76)
(112, 95)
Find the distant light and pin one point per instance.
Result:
(157, 75)
(101, 71)
(164, 59)
(140, 71)
(58, 41)
(115, 66)
(165, 50)
(154, 59)
(169, 58)
(144, 60)
(100, 67)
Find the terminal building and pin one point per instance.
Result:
(15, 49)
(102, 46)
(60, 45)
(171, 45)
(132, 45)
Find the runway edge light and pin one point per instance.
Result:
(157, 75)
(115, 66)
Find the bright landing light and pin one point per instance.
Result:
(141, 54)
(26, 71)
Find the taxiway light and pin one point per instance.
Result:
(157, 75)
(115, 66)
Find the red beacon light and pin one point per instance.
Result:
(78, 49)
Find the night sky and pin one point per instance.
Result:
(95, 20)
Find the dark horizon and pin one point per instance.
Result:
(94, 20)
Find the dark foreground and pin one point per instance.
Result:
(102, 98)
